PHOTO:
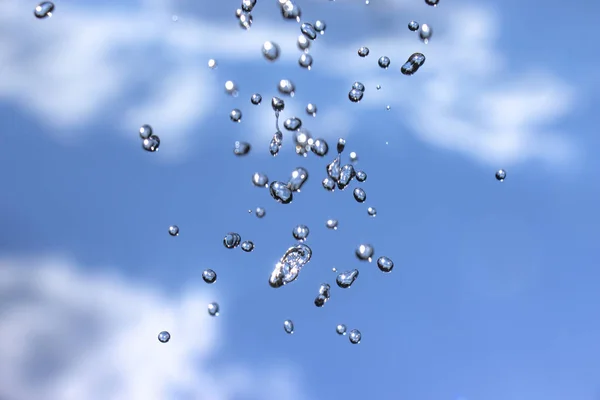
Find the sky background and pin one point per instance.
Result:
(494, 294)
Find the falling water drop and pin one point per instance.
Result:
(385, 264)
(247, 246)
(289, 266)
(241, 148)
(209, 276)
(232, 240)
(384, 62)
(281, 192)
(354, 336)
(174, 230)
(213, 309)
(340, 329)
(324, 295)
(270, 50)
(300, 232)
(363, 51)
(332, 224)
(425, 33)
(346, 279)
(255, 99)
(501, 175)
(364, 252)
(372, 212)
(43, 10)
(359, 195)
(164, 337)
(412, 65)
(288, 326)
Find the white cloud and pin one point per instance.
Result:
(69, 335)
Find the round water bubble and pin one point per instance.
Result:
(305, 61)
(255, 99)
(300, 232)
(151, 144)
(174, 230)
(363, 51)
(241, 148)
(364, 252)
(260, 180)
(231, 88)
(288, 326)
(332, 224)
(361, 176)
(359, 195)
(372, 212)
(433, 3)
(44, 10)
(320, 147)
(292, 124)
(235, 115)
(303, 43)
(238, 13)
(320, 26)
(286, 87)
(328, 184)
(245, 20)
(311, 109)
(280, 192)
(353, 157)
(248, 5)
(413, 26)
(355, 95)
(212, 63)
(270, 50)
(340, 329)
(385, 264)
(145, 131)
(308, 30)
(260, 212)
(358, 86)
(209, 276)
(412, 65)
(277, 104)
(232, 240)
(290, 10)
(213, 309)
(384, 62)
(354, 336)
(425, 33)
(164, 337)
(501, 175)
(247, 246)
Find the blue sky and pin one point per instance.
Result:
(493, 295)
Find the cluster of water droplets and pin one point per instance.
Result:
(150, 141)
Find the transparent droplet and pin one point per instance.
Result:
(286, 87)
(311, 109)
(290, 10)
(308, 30)
(298, 178)
(305, 61)
(151, 144)
(247, 246)
(378, 87)
(241, 148)
(334, 169)
(332, 224)
(303, 141)
(361, 176)
(364, 252)
(209, 276)
(328, 184)
(355, 96)
(346, 279)
(341, 145)
(281, 192)
(231, 88)
(385, 264)
(260, 212)
(320, 26)
(340, 329)
(324, 295)
(232, 240)
(213, 309)
(384, 62)
(425, 33)
(359, 195)
(238, 13)
(270, 50)
(320, 147)
(212, 63)
(275, 144)
(300, 232)
(346, 175)
(354, 336)
(145, 131)
(412, 65)
(235, 115)
(174, 230)
(413, 26)
(245, 20)
(164, 337)
(358, 86)
(363, 51)
(260, 180)
(433, 3)
(288, 326)
(501, 175)
(255, 99)
(292, 124)
(372, 212)
(248, 5)
(277, 104)
(44, 9)
(303, 43)
(387, 108)
(289, 266)
(353, 157)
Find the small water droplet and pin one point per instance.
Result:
(363, 51)
(303, 141)
(298, 178)
(305, 61)
(235, 115)
(289, 266)
(303, 43)
(174, 230)
(346, 279)
(209, 276)
(501, 175)
(164, 337)
(248, 5)
(275, 144)
(341, 145)
(324, 295)
(378, 87)
(277, 104)
(355, 96)
(308, 30)
(358, 86)
(231, 88)
(353, 157)
(384, 62)
(340, 329)
(387, 108)
(255, 99)
(286, 87)
(290, 10)
(361, 176)
(292, 124)
(412, 65)
(270, 50)
(44, 10)
(241, 148)
(372, 212)
(320, 147)
(328, 184)
(364, 252)
(433, 3)
(320, 26)
(300, 232)
(413, 26)
(334, 269)
(245, 20)
(260, 212)
(232, 240)
(151, 144)
(311, 109)
(281, 192)
(354, 336)
(288, 326)
(332, 224)
(247, 246)
(145, 131)
(213, 309)
(425, 33)
(260, 180)
(385, 264)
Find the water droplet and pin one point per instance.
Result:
(303, 142)
(355, 96)
(372, 212)
(378, 87)
(231, 88)
(300, 232)
(212, 63)
(290, 10)
(328, 184)
(341, 145)
(385, 264)
(241, 148)
(354, 336)
(305, 61)
(247, 246)
(334, 168)
(275, 144)
(384, 62)
(288, 326)
(232, 240)
(320, 147)
(413, 26)
(334, 269)
(151, 144)
(308, 30)
(286, 87)
(311, 109)
(248, 5)
(209, 276)
(353, 157)
(238, 13)
(340, 329)
(298, 179)
(145, 131)
(387, 108)
(270, 50)
(358, 86)
(255, 99)
(245, 20)
(346, 279)
(363, 51)
(277, 104)
(289, 266)
(260, 212)
(346, 175)
(235, 115)
(292, 124)
(332, 224)
(213, 309)
(174, 230)
(280, 192)
(361, 176)
(324, 295)
(260, 179)
(44, 9)
(365, 252)
(359, 195)
(164, 337)
(425, 33)
(433, 3)
(501, 175)
(303, 43)
(320, 26)
(412, 65)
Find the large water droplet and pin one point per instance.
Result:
(413, 26)
(288, 326)
(247, 246)
(354, 336)
(340, 329)
(501, 175)
(332, 224)
(255, 99)
(209, 276)
(241, 148)
(358, 86)
(346, 175)
(145, 131)
(292, 124)
(305, 61)
(277, 104)
(289, 266)
(286, 87)
(232, 240)
(164, 337)
(320, 26)
(308, 30)
(259, 179)
(412, 65)
(334, 168)
(270, 50)
(346, 279)
(385, 264)
(300, 232)
(320, 147)
(44, 9)
(298, 179)
(213, 309)
(303, 43)
(355, 96)
(151, 144)
(324, 295)
(359, 195)
(174, 230)
(281, 192)
(384, 62)
(425, 33)
(364, 252)
(363, 51)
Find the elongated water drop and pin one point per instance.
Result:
(346, 279)
(289, 266)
